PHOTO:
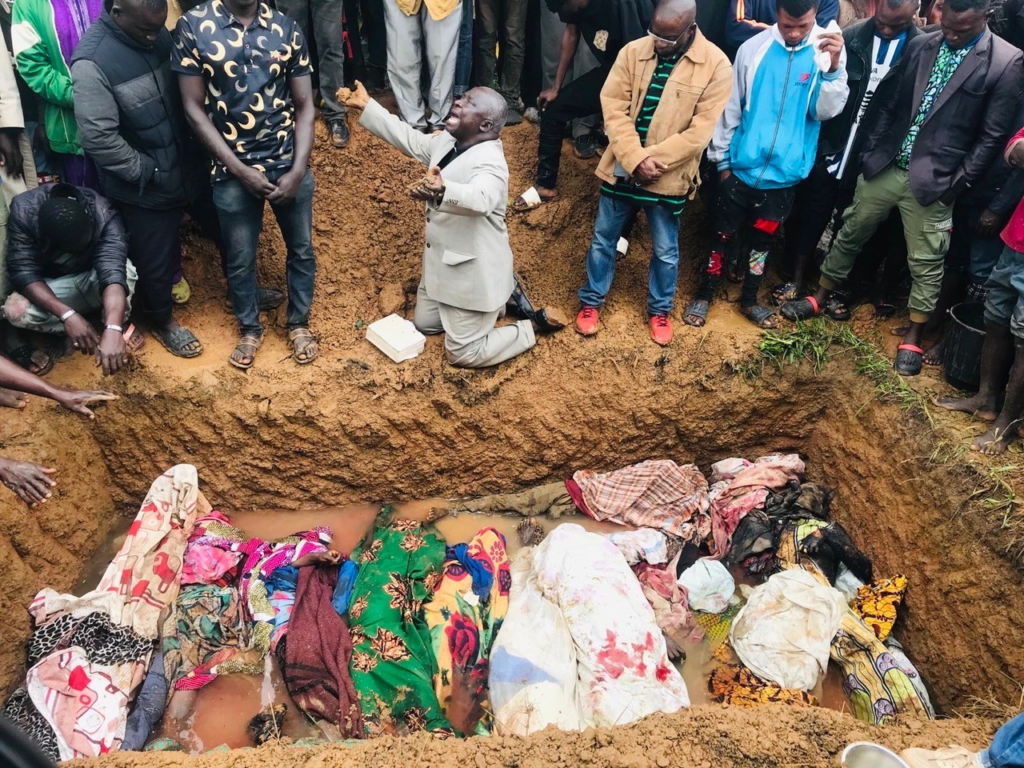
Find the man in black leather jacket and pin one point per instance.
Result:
(67, 259)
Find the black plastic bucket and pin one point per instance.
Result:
(964, 340)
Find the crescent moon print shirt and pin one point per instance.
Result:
(246, 70)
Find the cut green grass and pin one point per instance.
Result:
(817, 342)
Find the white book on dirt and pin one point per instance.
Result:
(396, 337)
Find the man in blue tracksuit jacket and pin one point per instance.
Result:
(786, 80)
(750, 17)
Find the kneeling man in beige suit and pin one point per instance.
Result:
(468, 280)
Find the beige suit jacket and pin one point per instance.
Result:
(467, 260)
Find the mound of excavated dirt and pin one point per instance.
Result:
(355, 427)
(705, 737)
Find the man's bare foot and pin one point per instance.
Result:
(11, 399)
(994, 442)
(319, 558)
(532, 198)
(976, 406)
(936, 354)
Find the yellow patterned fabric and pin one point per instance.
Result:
(878, 602)
(716, 625)
(735, 684)
(464, 617)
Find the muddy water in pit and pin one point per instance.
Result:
(219, 713)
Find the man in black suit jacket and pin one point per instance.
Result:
(874, 50)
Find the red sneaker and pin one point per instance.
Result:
(586, 321)
(661, 329)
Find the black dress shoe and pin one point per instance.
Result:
(266, 299)
(519, 305)
(586, 146)
(545, 323)
(269, 298)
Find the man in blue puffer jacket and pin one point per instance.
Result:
(786, 80)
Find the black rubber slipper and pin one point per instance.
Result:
(909, 360)
(759, 316)
(176, 341)
(802, 309)
(836, 308)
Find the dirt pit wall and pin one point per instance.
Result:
(355, 427)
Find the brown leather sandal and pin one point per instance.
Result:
(304, 345)
(247, 346)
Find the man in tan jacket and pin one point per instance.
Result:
(660, 103)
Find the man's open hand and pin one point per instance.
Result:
(356, 98)
(430, 187)
(78, 400)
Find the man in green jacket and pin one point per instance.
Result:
(44, 35)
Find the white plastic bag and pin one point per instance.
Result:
(533, 661)
(709, 586)
(785, 630)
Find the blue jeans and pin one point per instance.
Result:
(464, 54)
(241, 221)
(661, 284)
(1004, 304)
(985, 253)
(1007, 750)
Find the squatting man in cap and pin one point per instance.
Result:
(467, 281)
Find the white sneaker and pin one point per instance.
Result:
(949, 757)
